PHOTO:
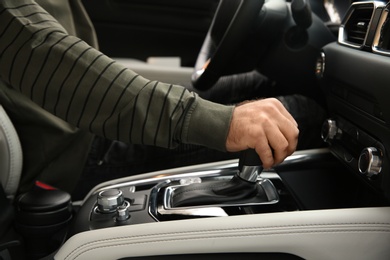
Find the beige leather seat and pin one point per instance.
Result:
(11, 158)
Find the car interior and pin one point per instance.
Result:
(328, 202)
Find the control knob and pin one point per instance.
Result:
(370, 162)
(109, 200)
(330, 131)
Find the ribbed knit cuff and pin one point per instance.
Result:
(208, 124)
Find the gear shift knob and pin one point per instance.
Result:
(243, 187)
(250, 166)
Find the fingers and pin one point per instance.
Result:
(266, 126)
(282, 136)
(280, 141)
(266, 155)
(283, 141)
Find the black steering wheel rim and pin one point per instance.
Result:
(230, 27)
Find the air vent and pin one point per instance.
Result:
(355, 27)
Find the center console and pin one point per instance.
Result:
(210, 190)
(305, 181)
(307, 202)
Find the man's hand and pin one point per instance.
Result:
(266, 126)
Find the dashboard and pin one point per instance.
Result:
(354, 76)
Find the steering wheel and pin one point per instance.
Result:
(229, 29)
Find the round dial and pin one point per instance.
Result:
(370, 162)
(109, 200)
(330, 130)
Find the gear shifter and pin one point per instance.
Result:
(250, 166)
(243, 186)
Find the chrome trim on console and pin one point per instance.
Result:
(214, 169)
(266, 185)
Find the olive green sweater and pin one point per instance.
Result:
(44, 58)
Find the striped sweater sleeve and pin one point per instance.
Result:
(77, 83)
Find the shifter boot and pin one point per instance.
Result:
(216, 192)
